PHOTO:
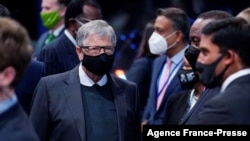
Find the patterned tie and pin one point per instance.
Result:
(162, 86)
(50, 38)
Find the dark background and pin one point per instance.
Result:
(128, 18)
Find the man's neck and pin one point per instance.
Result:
(5, 93)
(175, 50)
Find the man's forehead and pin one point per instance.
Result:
(91, 12)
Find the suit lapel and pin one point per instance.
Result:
(72, 91)
(121, 111)
(197, 104)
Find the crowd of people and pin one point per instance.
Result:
(63, 89)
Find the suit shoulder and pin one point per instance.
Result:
(123, 81)
(55, 77)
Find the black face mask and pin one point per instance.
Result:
(191, 54)
(98, 65)
(188, 78)
(207, 73)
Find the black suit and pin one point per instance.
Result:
(229, 107)
(192, 116)
(58, 113)
(178, 105)
(59, 56)
(40, 44)
(15, 126)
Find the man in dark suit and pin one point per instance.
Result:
(224, 61)
(87, 103)
(52, 16)
(60, 55)
(170, 39)
(192, 55)
(15, 42)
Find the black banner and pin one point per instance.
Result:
(162, 132)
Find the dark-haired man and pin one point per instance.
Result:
(170, 39)
(224, 61)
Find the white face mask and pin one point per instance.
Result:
(158, 44)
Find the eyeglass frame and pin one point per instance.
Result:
(98, 49)
(77, 19)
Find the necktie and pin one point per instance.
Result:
(50, 38)
(162, 86)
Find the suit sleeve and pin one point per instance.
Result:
(39, 114)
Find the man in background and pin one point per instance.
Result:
(52, 16)
(169, 39)
(60, 55)
(192, 55)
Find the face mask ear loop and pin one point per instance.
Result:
(170, 35)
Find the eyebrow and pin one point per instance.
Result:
(203, 49)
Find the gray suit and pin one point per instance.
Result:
(58, 113)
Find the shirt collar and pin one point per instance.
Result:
(179, 56)
(234, 76)
(58, 30)
(86, 81)
(66, 32)
(8, 103)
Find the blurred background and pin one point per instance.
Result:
(128, 17)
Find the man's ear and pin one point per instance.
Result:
(179, 36)
(230, 57)
(7, 76)
(79, 53)
(62, 11)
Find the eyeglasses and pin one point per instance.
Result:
(97, 49)
(82, 20)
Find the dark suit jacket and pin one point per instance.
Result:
(25, 88)
(59, 56)
(58, 113)
(15, 126)
(192, 116)
(140, 73)
(177, 107)
(230, 107)
(40, 44)
(152, 115)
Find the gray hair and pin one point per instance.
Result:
(95, 27)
